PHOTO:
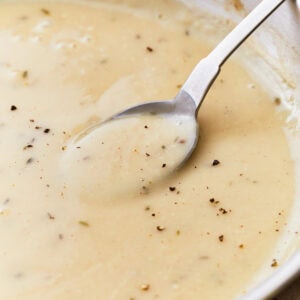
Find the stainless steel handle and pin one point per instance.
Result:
(206, 71)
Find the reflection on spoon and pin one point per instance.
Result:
(127, 154)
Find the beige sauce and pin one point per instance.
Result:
(202, 233)
(127, 155)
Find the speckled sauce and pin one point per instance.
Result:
(127, 155)
(203, 232)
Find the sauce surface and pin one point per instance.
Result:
(203, 232)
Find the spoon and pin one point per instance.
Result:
(189, 99)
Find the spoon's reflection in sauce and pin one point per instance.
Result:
(127, 155)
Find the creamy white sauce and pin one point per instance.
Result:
(204, 231)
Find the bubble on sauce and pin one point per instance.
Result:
(127, 155)
(35, 38)
(85, 39)
(42, 25)
(64, 44)
(17, 38)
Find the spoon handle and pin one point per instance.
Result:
(206, 71)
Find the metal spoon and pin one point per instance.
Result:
(189, 99)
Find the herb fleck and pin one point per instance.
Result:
(45, 11)
(84, 223)
(221, 238)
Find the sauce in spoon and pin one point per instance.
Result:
(135, 151)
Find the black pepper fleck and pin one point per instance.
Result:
(149, 49)
(29, 161)
(215, 162)
(25, 74)
(50, 216)
(223, 211)
(144, 190)
(274, 263)
(27, 147)
(47, 130)
(19, 275)
(160, 228)
(145, 287)
(277, 101)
